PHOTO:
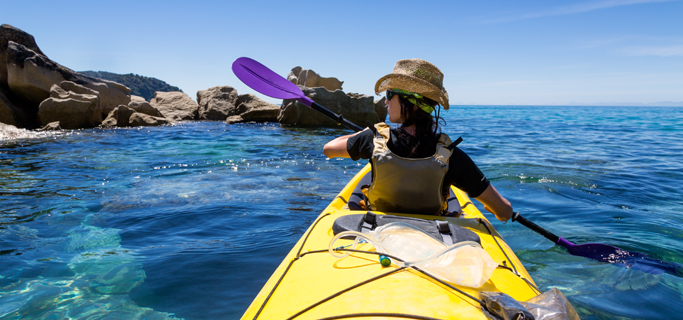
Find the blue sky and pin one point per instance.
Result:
(612, 52)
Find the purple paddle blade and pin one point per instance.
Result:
(265, 81)
(628, 259)
(606, 253)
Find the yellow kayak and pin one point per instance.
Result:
(310, 283)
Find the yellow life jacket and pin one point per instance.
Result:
(407, 185)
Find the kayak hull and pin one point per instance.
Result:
(312, 284)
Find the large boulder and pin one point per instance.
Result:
(6, 110)
(251, 108)
(309, 78)
(175, 105)
(217, 103)
(9, 33)
(357, 108)
(14, 114)
(30, 75)
(72, 110)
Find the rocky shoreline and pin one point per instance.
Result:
(38, 93)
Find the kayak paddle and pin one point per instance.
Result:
(606, 253)
(265, 81)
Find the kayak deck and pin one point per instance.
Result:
(312, 284)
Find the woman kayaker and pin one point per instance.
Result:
(414, 165)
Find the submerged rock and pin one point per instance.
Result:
(52, 126)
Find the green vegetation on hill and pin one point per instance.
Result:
(139, 85)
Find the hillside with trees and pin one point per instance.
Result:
(139, 85)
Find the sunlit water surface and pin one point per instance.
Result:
(189, 221)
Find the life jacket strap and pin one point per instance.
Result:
(445, 231)
(369, 222)
(454, 144)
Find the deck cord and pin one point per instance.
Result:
(514, 269)
(290, 265)
(299, 255)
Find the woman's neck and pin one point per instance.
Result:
(409, 129)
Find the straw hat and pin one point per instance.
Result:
(418, 76)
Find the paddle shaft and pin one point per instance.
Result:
(555, 239)
(336, 117)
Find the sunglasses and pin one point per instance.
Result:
(390, 94)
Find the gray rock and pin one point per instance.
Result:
(309, 78)
(125, 116)
(146, 108)
(59, 93)
(137, 98)
(217, 103)
(234, 119)
(74, 112)
(30, 76)
(8, 131)
(175, 105)
(52, 126)
(9, 33)
(251, 108)
(381, 109)
(138, 119)
(293, 75)
(109, 122)
(77, 88)
(119, 117)
(357, 108)
(6, 110)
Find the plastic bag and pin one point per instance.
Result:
(502, 306)
(551, 305)
(464, 263)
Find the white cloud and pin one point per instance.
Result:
(660, 51)
(565, 10)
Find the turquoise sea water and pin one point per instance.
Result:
(189, 221)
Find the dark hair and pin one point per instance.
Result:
(426, 125)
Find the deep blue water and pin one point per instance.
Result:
(189, 221)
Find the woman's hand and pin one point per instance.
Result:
(495, 203)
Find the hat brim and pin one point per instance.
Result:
(412, 84)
